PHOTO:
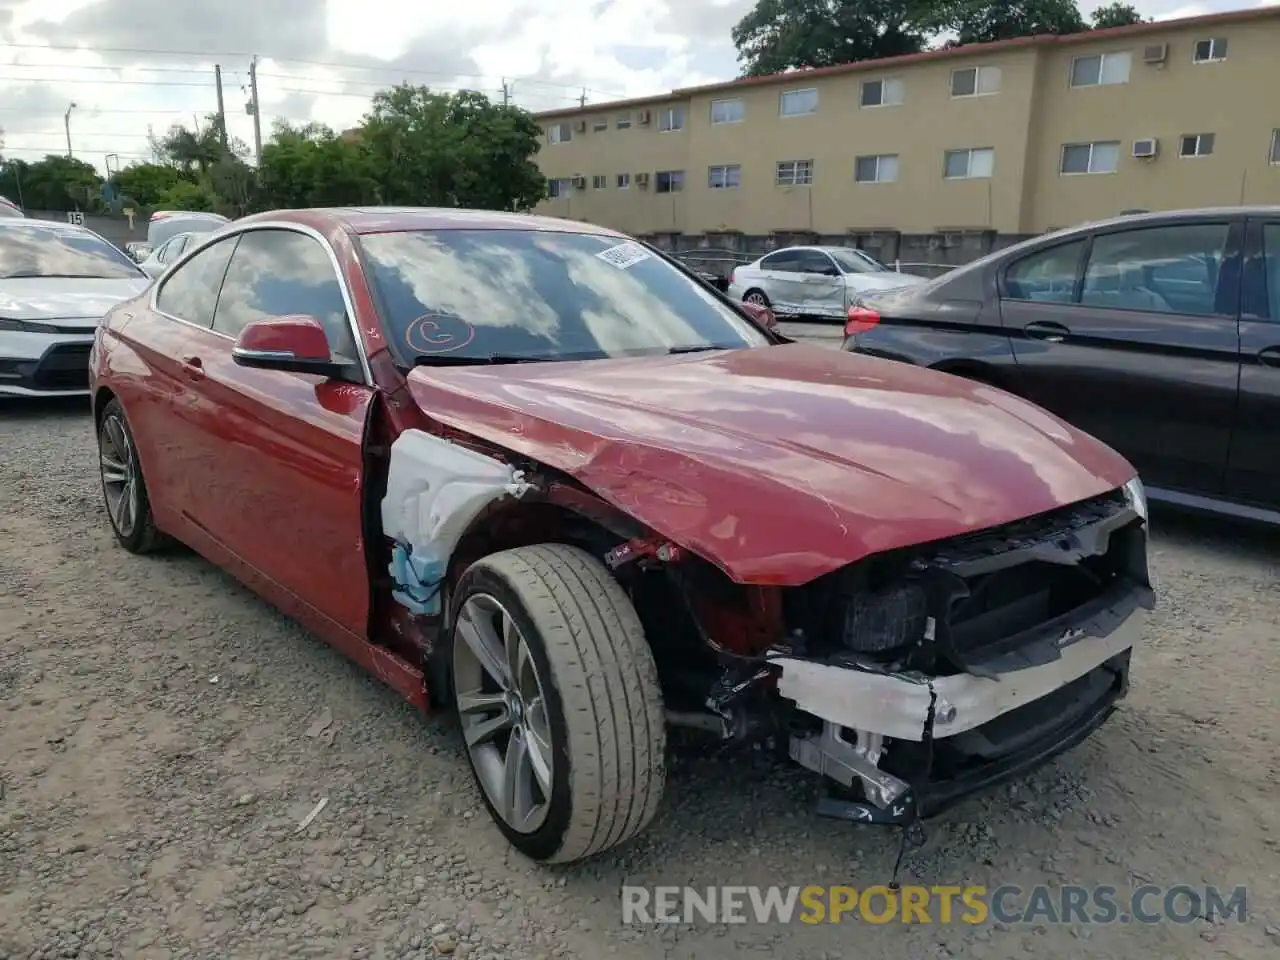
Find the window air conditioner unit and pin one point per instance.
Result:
(643, 117)
(642, 180)
(580, 183)
(1156, 53)
(1145, 149)
(581, 126)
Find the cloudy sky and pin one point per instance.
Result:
(130, 66)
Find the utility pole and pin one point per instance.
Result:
(66, 122)
(252, 108)
(582, 100)
(506, 93)
(222, 109)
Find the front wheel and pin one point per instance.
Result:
(758, 298)
(557, 695)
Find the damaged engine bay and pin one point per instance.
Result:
(906, 679)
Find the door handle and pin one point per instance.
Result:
(1269, 356)
(1049, 332)
(193, 367)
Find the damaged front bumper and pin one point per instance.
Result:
(914, 744)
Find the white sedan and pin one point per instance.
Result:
(57, 281)
(813, 281)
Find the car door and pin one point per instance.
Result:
(783, 282)
(1253, 469)
(1130, 334)
(164, 406)
(823, 285)
(280, 464)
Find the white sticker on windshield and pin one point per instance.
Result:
(624, 255)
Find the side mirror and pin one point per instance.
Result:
(295, 344)
(761, 314)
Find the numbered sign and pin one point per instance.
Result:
(75, 218)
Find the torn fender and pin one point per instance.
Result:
(435, 489)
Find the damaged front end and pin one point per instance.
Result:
(919, 677)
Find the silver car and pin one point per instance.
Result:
(57, 281)
(158, 260)
(814, 281)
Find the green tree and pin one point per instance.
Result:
(1115, 15)
(185, 195)
(311, 166)
(452, 150)
(145, 182)
(986, 21)
(13, 174)
(54, 183)
(778, 35)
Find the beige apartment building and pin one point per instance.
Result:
(1015, 137)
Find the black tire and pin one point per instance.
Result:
(140, 536)
(756, 292)
(602, 699)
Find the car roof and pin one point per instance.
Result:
(365, 220)
(18, 223)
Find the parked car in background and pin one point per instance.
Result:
(515, 465)
(169, 223)
(158, 260)
(1157, 333)
(813, 281)
(10, 209)
(138, 250)
(56, 282)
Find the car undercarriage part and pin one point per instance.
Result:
(435, 489)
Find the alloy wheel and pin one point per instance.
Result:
(503, 709)
(119, 465)
(756, 298)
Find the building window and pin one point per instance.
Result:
(881, 169)
(599, 182)
(1196, 145)
(670, 181)
(978, 162)
(728, 111)
(1275, 146)
(600, 124)
(624, 181)
(795, 173)
(560, 133)
(725, 178)
(889, 92)
(975, 81)
(671, 118)
(1100, 157)
(798, 103)
(624, 121)
(1211, 50)
(1102, 70)
(559, 188)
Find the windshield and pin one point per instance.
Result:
(47, 250)
(459, 295)
(855, 261)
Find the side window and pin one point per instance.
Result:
(1171, 269)
(172, 250)
(785, 261)
(191, 292)
(276, 273)
(1046, 276)
(817, 262)
(1271, 261)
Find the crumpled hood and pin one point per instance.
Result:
(884, 281)
(64, 298)
(781, 463)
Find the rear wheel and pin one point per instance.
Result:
(557, 696)
(123, 489)
(757, 297)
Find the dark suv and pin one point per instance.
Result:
(1159, 334)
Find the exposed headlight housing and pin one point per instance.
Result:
(1136, 497)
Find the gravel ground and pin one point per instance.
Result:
(163, 734)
